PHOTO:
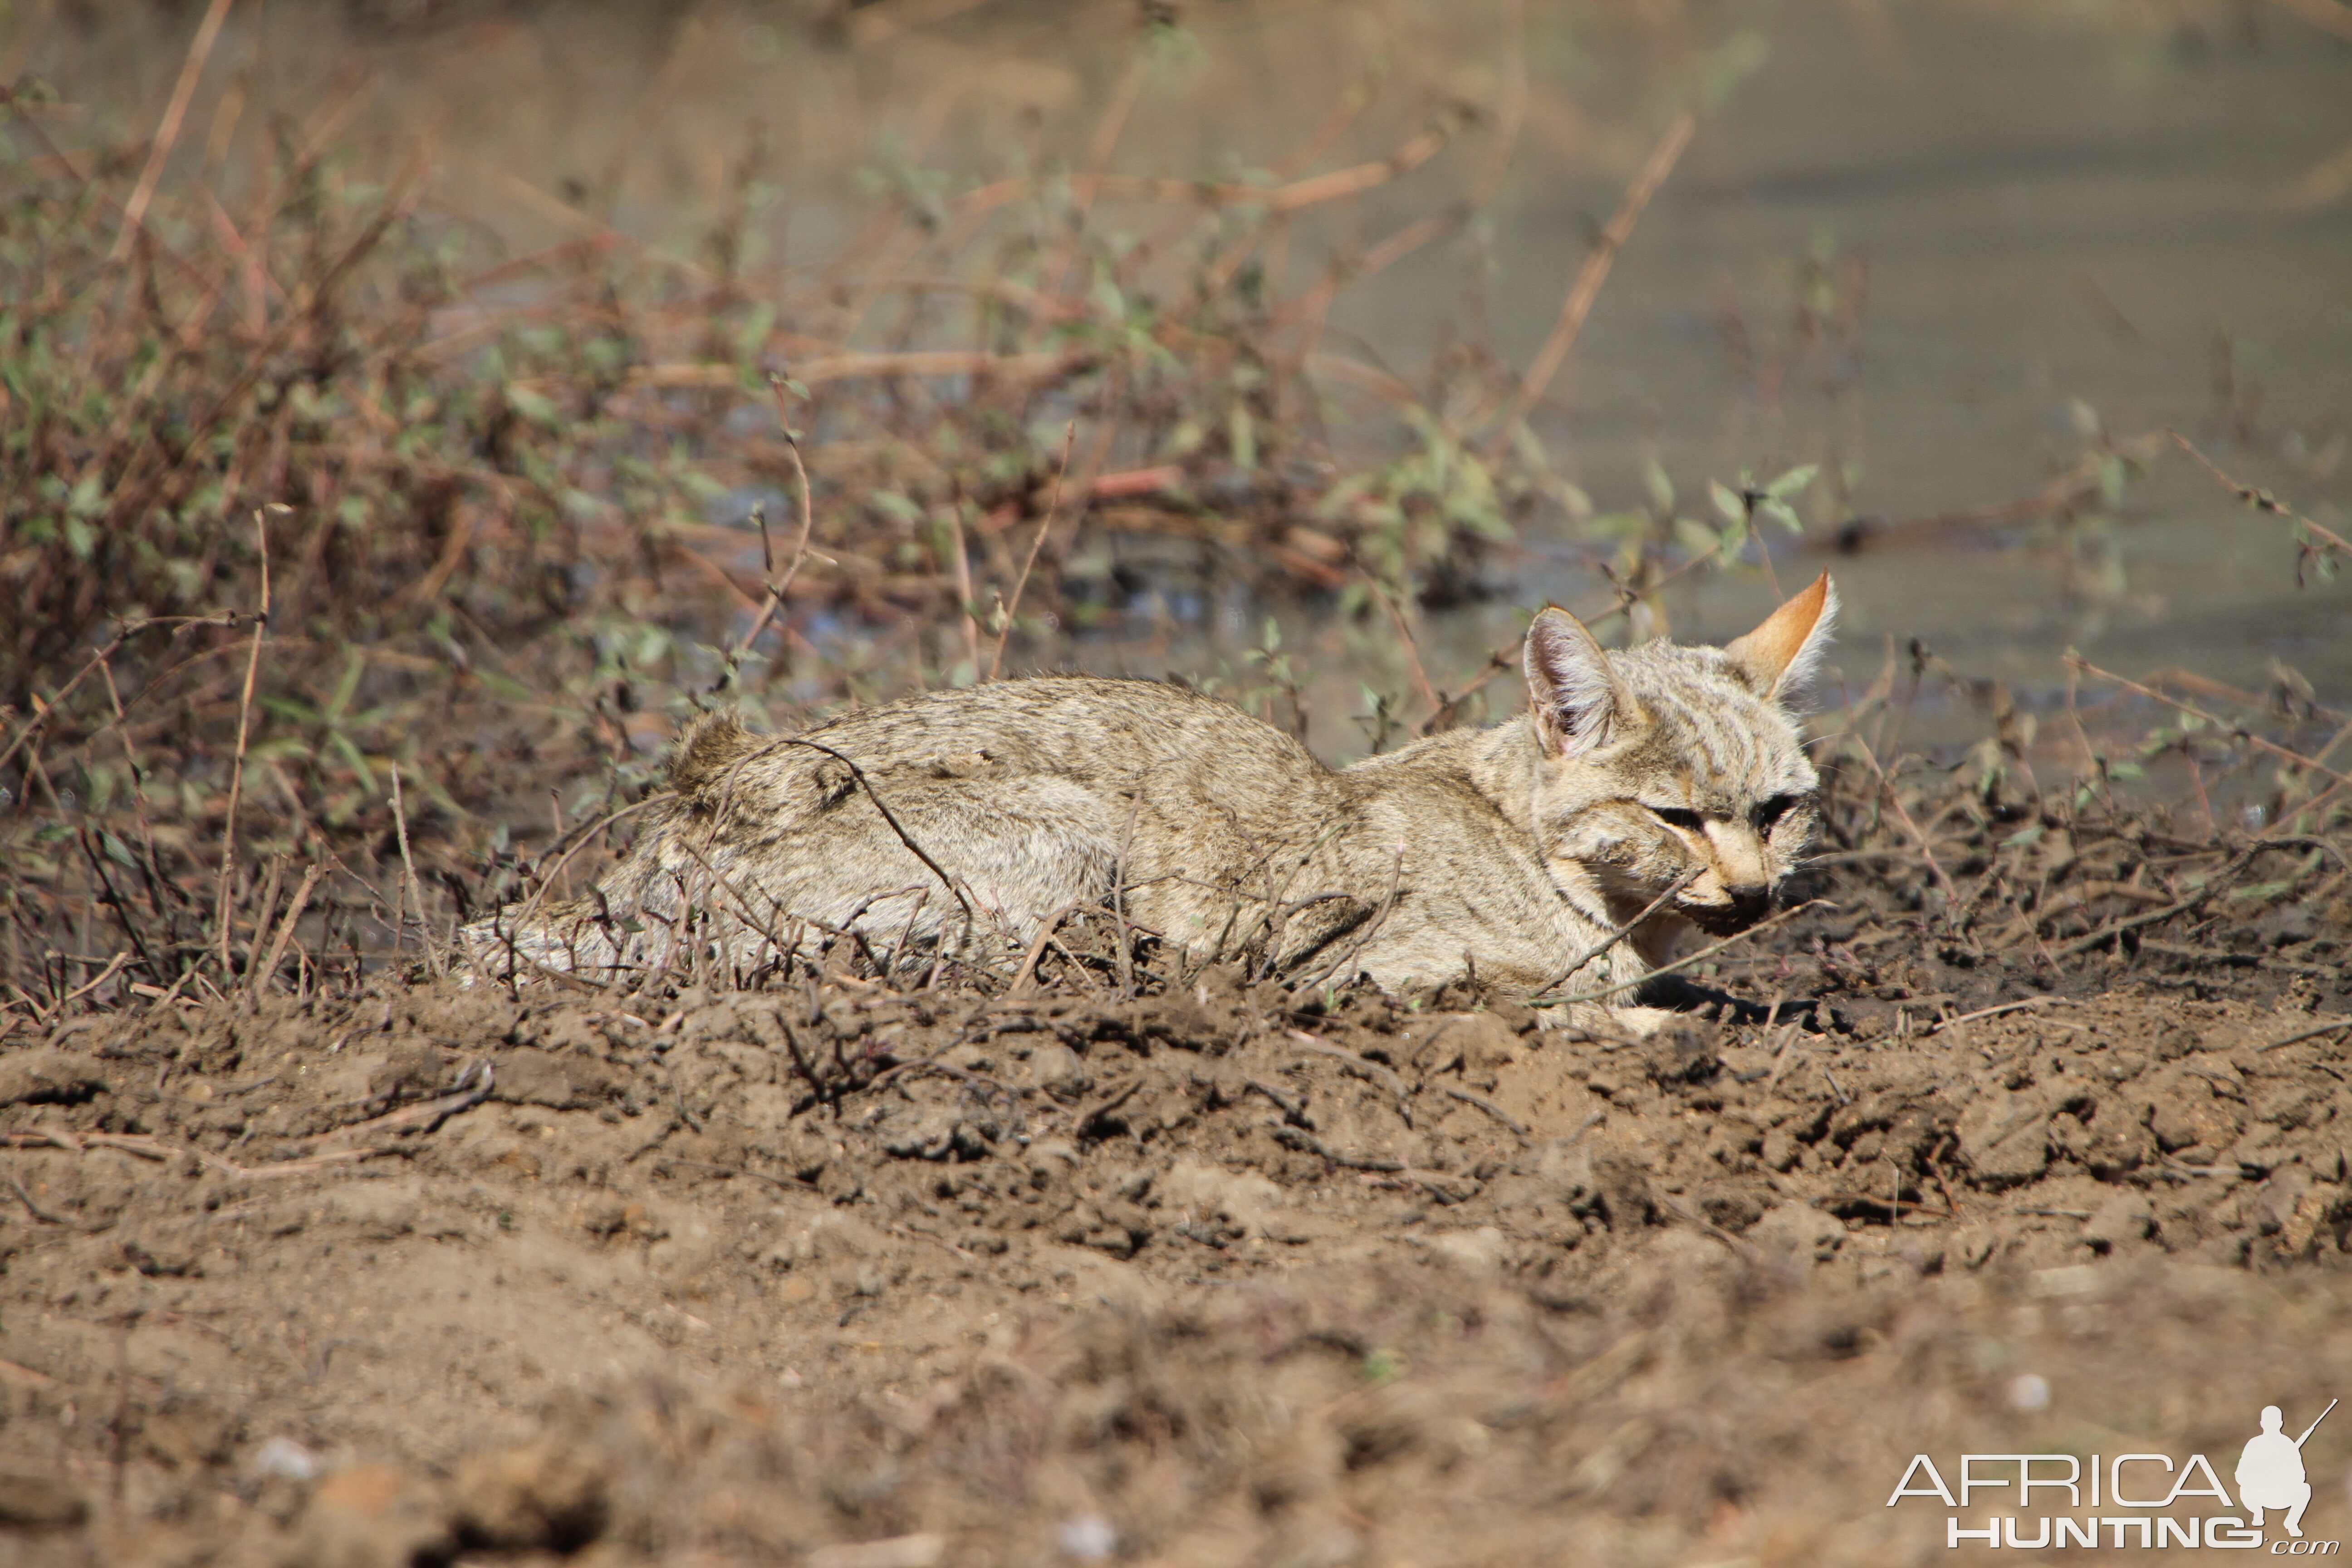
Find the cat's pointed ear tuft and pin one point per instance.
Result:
(1778, 660)
(703, 755)
(1576, 697)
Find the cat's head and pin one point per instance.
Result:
(1662, 761)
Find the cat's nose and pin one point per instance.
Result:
(1750, 901)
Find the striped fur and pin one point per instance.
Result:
(960, 824)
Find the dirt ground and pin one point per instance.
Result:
(860, 1279)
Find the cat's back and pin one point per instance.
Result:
(1096, 729)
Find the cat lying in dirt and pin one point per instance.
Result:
(960, 824)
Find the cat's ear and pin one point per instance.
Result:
(1778, 660)
(1576, 700)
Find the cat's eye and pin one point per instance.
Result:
(1677, 817)
(1773, 810)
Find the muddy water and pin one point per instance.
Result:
(2016, 227)
(2048, 216)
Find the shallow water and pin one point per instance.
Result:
(2051, 220)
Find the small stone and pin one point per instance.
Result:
(283, 1459)
(1088, 1537)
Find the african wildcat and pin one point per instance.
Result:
(1503, 856)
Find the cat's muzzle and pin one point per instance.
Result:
(1737, 910)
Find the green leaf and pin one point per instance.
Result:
(340, 744)
(1661, 488)
(1793, 482)
(1694, 535)
(293, 710)
(1488, 523)
(506, 687)
(347, 688)
(1726, 501)
(535, 406)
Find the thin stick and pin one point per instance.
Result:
(1119, 898)
(416, 888)
(1621, 933)
(1082, 194)
(1315, 189)
(1052, 505)
(1412, 646)
(888, 816)
(2288, 816)
(1589, 278)
(1758, 929)
(244, 728)
(1037, 948)
(1363, 1067)
(2217, 883)
(1486, 1105)
(261, 977)
(777, 590)
(2077, 661)
(587, 838)
(44, 709)
(2333, 1027)
(1943, 1024)
(168, 132)
(2255, 496)
(263, 923)
(1331, 976)
(1918, 834)
(104, 975)
(473, 1087)
(963, 583)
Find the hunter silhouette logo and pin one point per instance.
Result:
(2270, 1472)
(2128, 1499)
